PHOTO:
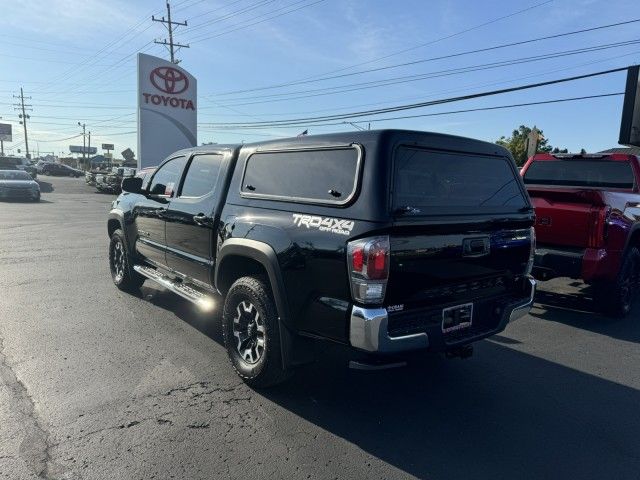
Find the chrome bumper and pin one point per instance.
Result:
(521, 310)
(368, 331)
(368, 328)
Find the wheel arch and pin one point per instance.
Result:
(112, 225)
(240, 257)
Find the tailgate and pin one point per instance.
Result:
(439, 269)
(567, 216)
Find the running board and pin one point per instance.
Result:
(198, 297)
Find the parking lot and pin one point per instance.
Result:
(99, 384)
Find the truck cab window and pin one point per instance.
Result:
(166, 179)
(202, 175)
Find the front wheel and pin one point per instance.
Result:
(251, 333)
(122, 273)
(618, 297)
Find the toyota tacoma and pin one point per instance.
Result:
(386, 242)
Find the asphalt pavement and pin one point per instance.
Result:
(99, 384)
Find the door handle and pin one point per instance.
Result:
(202, 219)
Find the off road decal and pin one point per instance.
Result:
(324, 224)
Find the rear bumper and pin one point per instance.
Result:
(587, 264)
(369, 329)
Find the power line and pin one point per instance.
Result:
(235, 13)
(451, 112)
(431, 42)
(380, 111)
(247, 25)
(482, 109)
(432, 59)
(59, 139)
(345, 88)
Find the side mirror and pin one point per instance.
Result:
(132, 185)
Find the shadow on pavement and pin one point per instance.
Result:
(206, 323)
(580, 311)
(501, 414)
(45, 187)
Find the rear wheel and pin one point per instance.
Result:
(251, 333)
(122, 273)
(617, 298)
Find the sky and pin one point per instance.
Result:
(76, 60)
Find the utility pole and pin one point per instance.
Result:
(23, 116)
(84, 140)
(88, 151)
(173, 47)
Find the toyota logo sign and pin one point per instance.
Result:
(169, 80)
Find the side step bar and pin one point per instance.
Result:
(201, 299)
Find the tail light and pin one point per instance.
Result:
(598, 221)
(532, 251)
(368, 263)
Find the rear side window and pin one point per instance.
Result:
(430, 183)
(580, 173)
(202, 175)
(316, 176)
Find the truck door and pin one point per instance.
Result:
(149, 212)
(191, 217)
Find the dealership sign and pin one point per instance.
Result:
(107, 146)
(167, 115)
(5, 132)
(630, 125)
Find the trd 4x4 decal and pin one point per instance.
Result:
(324, 224)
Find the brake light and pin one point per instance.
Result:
(599, 218)
(368, 261)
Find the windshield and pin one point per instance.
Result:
(580, 173)
(432, 182)
(14, 175)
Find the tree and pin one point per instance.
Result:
(517, 144)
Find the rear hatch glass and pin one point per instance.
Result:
(437, 265)
(430, 182)
(580, 173)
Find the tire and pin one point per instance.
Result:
(122, 273)
(617, 298)
(251, 333)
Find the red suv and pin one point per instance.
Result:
(588, 222)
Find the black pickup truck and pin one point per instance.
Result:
(386, 241)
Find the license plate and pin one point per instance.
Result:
(457, 318)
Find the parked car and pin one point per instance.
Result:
(18, 163)
(18, 184)
(425, 245)
(588, 222)
(40, 165)
(110, 182)
(59, 169)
